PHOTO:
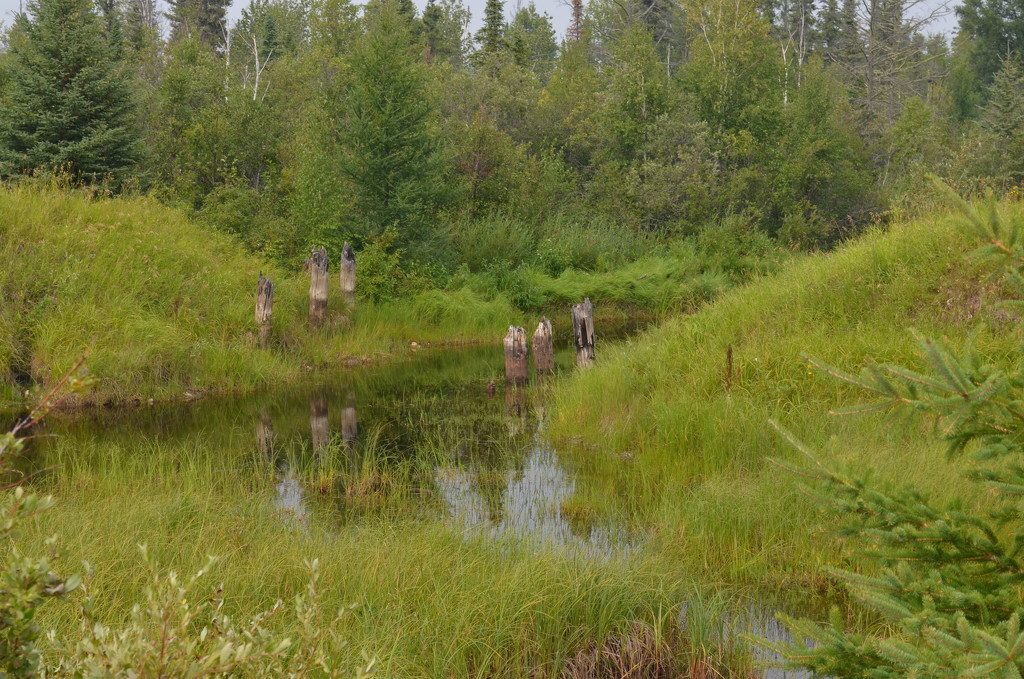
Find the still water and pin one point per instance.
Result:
(479, 450)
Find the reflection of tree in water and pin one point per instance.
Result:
(288, 499)
(434, 408)
(530, 503)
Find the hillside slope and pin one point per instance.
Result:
(167, 306)
(678, 446)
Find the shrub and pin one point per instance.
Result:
(479, 243)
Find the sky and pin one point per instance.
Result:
(557, 9)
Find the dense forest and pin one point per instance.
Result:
(445, 155)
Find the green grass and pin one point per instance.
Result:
(431, 600)
(167, 306)
(664, 440)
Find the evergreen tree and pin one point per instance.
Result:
(202, 19)
(663, 20)
(444, 25)
(830, 28)
(1003, 119)
(142, 29)
(492, 35)
(112, 25)
(949, 587)
(69, 104)
(393, 158)
(996, 29)
(531, 38)
(849, 44)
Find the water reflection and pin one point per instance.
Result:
(746, 620)
(761, 621)
(319, 426)
(356, 424)
(349, 423)
(288, 499)
(265, 436)
(527, 504)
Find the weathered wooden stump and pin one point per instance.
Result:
(543, 348)
(319, 426)
(317, 265)
(348, 276)
(265, 437)
(583, 332)
(349, 423)
(264, 308)
(516, 367)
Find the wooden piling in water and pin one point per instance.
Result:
(348, 275)
(583, 332)
(543, 348)
(317, 265)
(264, 308)
(516, 367)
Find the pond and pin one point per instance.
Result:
(438, 435)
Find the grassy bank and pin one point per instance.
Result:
(667, 438)
(166, 305)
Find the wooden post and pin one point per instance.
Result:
(543, 348)
(317, 266)
(319, 426)
(515, 355)
(348, 276)
(264, 308)
(583, 332)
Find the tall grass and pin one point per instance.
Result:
(546, 266)
(431, 599)
(684, 448)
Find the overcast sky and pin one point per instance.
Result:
(557, 9)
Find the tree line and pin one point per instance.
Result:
(318, 121)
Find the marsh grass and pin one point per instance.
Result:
(432, 600)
